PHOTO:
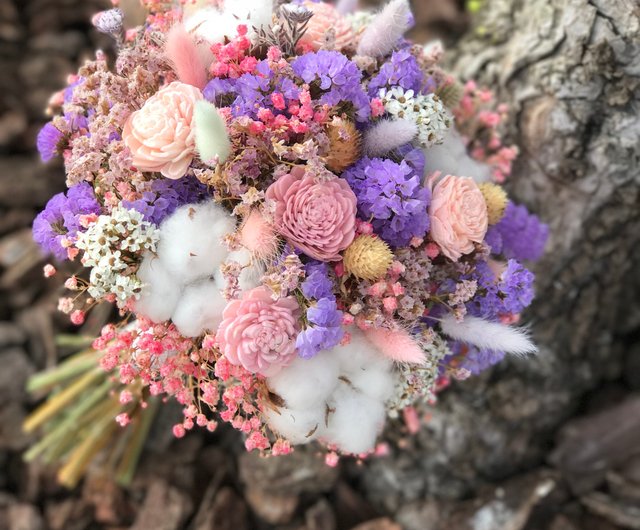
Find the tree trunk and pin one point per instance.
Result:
(570, 71)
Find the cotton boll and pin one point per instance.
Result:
(213, 25)
(306, 383)
(249, 277)
(365, 367)
(451, 158)
(297, 426)
(253, 13)
(190, 246)
(360, 354)
(160, 293)
(374, 382)
(355, 422)
(199, 309)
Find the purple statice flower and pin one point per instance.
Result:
(402, 70)
(338, 78)
(68, 92)
(60, 220)
(413, 156)
(516, 287)
(393, 196)
(325, 329)
(317, 283)
(519, 235)
(511, 293)
(477, 361)
(471, 358)
(251, 92)
(48, 142)
(165, 196)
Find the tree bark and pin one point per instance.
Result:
(570, 71)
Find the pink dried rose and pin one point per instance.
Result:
(161, 135)
(259, 333)
(326, 17)
(458, 215)
(316, 216)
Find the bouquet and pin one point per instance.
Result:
(297, 214)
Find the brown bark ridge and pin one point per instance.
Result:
(570, 70)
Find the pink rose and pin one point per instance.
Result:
(458, 214)
(259, 333)
(160, 135)
(317, 216)
(326, 17)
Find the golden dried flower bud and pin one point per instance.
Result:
(496, 199)
(368, 258)
(345, 142)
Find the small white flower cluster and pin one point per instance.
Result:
(111, 246)
(417, 382)
(427, 111)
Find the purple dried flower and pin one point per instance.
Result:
(317, 284)
(325, 331)
(165, 196)
(49, 141)
(477, 361)
(519, 235)
(393, 196)
(60, 220)
(402, 70)
(338, 78)
(511, 293)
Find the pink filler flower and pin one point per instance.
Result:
(316, 216)
(459, 216)
(161, 135)
(259, 333)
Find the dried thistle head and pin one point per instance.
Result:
(368, 258)
(496, 199)
(345, 144)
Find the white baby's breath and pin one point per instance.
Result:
(112, 247)
(427, 111)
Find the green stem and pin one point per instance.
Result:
(73, 367)
(129, 463)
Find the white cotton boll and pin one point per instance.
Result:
(251, 275)
(297, 426)
(213, 25)
(253, 13)
(365, 368)
(190, 246)
(355, 422)
(199, 309)
(374, 381)
(360, 353)
(306, 383)
(451, 158)
(160, 292)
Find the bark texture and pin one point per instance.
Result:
(570, 70)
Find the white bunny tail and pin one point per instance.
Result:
(383, 34)
(488, 335)
(387, 135)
